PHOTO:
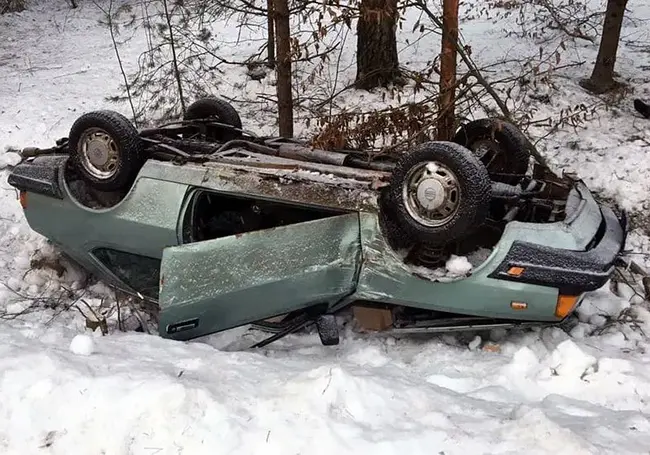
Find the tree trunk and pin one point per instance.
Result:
(283, 43)
(377, 61)
(446, 100)
(270, 35)
(602, 77)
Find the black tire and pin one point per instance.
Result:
(512, 148)
(642, 107)
(393, 232)
(473, 201)
(130, 154)
(223, 111)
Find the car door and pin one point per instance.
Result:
(218, 284)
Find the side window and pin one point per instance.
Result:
(139, 272)
(211, 215)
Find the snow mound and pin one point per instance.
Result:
(162, 396)
(570, 361)
(82, 345)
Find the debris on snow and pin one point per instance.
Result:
(491, 347)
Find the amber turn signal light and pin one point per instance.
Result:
(515, 271)
(565, 303)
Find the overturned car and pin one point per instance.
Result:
(222, 228)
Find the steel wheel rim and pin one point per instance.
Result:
(99, 153)
(431, 193)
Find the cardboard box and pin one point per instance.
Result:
(374, 318)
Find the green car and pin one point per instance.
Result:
(222, 228)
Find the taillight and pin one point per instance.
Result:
(23, 199)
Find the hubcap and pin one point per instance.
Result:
(99, 153)
(431, 193)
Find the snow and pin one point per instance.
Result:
(67, 389)
(82, 345)
(475, 343)
(458, 265)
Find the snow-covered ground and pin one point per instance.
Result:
(543, 391)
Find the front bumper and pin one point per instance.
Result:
(572, 272)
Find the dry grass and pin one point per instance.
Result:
(11, 6)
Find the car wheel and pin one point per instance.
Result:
(106, 149)
(500, 146)
(392, 230)
(222, 111)
(440, 192)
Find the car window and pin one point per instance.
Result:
(139, 272)
(211, 215)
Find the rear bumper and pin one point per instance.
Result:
(572, 272)
(39, 175)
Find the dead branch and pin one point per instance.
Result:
(138, 316)
(172, 44)
(561, 25)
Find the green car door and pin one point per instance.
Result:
(214, 285)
